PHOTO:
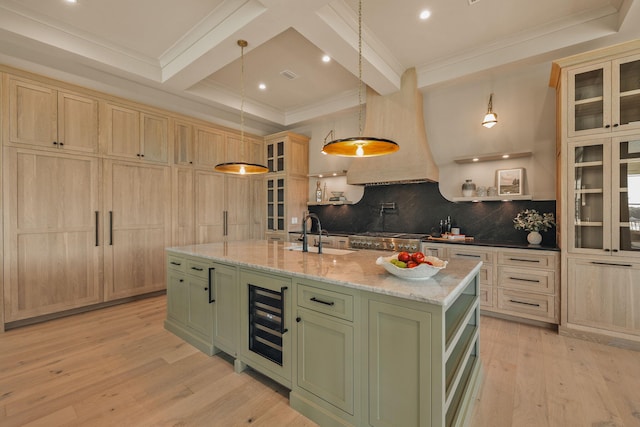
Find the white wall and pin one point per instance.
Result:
(525, 105)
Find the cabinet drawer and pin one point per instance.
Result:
(437, 251)
(327, 302)
(527, 279)
(527, 259)
(198, 268)
(527, 304)
(485, 256)
(486, 296)
(176, 263)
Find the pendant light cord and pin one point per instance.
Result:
(360, 66)
(242, 94)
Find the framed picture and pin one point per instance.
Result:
(509, 182)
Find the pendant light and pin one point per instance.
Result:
(360, 146)
(491, 118)
(240, 167)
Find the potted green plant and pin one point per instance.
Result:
(534, 222)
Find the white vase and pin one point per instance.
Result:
(534, 238)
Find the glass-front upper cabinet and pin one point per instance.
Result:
(275, 156)
(604, 97)
(588, 181)
(604, 193)
(626, 206)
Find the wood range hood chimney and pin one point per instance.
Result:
(399, 117)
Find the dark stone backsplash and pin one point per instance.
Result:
(419, 209)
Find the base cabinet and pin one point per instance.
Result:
(202, 303)
(604, 296)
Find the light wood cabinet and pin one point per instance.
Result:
(138, 227)
(53, 250)
(287, 183)
(604, 295)
(44, 116)
(599, 164)
(211, 207)
(521, 283)
(134, 134)
(603, 97)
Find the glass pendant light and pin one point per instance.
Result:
(360, 146)
(491, 118)
(240, 167)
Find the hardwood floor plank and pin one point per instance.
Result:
(119, 367)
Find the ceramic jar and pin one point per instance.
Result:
(468, 188)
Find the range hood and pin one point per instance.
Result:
(397, 117)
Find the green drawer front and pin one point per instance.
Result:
(325, 301)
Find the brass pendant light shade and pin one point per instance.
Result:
(360, 146)
(241, 168)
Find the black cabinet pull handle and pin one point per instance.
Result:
(614, 250)
(314, 299)
(110, 228)
(61, 143)
(176, 263)
(298, 319)
(210, 287)
(525, 280)
(607, 126)
(181, 280)
(97, 232)
(616, 125)
(525, 303)
(197, 268)
(607, 250)
(611, 263)
(283, 330)
(55, 143)
(469, 255)
(524, 260)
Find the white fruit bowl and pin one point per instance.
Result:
(421, 272)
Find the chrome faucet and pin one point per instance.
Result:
(305, 245)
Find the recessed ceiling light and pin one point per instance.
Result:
(326, 58)
(505, 156)
(475, 159)
(425, 14)
(262, 86)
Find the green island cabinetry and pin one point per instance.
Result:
(202, 303)
(352, 353)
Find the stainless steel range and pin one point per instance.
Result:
(387, 241)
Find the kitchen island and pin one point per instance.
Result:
(355, 345)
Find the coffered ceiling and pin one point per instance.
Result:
(185, 54)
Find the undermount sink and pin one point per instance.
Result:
(328, 251)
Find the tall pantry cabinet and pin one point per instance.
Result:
(598, 96)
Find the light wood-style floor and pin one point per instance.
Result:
(119, 367)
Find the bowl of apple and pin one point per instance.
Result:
(412, 266)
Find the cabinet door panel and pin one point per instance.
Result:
(200, 313)
(209, 147)
(52, 260)
(139, 230)
(399, 360)
(238, 212)
(183, 207)
(154, 138)
(325, 359)
(226, 308)
(121, 129)
(209, 207)
(77, 123)
(604, 295)
(32, 113)
(177, 297)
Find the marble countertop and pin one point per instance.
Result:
(357, 270)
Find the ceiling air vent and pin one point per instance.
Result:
(288, 74)
(473, 2)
